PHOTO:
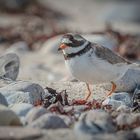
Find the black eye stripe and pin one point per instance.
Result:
(75, 44)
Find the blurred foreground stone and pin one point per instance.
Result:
(8, 117)
(18, 133)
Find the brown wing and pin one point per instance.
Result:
(107, 54)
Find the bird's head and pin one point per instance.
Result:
(72, 43)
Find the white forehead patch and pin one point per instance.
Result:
(66, 40)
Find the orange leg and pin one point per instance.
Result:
(89, 92)
(83, 101)
(112, 89)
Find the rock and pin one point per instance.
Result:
(5, 82)
(21, 109)
(23, 97)
(9, 66)
(122, 96)
(23, 92)
(19, 133)
(8, 117)
(63, 134)
(124, 109)
(127, 120)
(59, 134)
(67, 119)
(130, 80)
(35, 113)
(137, 132)
(118, 99)
(94, 122)
(48, 121)
(19, 48)
(3, 101)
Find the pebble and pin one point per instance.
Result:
(48, 121)
(9, 66)
(35, 113)
(23, 97)
(137, 132)
(127, 120)
(21, 91)
(19, 133)
(5, 82)
(118, 99)
(21, 109)
(123, 109)
(67, 119)
(8, 117)
(94, 122)
(3, 100)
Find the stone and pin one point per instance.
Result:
(118, 99)
(123, 109)
(22, 91)
(23, 97)
(128, 120)
(21, 109)
(94, 122)
(5, 82)
(122, 96)
(9, 66)
(63, 134)
(48, 121)
(35, 113)
(67, 119)
(19, 133)
(59, 134)
(137, 132)
(8, 117)
(3, 101)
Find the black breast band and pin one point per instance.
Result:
(84, 50)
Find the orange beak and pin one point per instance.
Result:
(62, 46)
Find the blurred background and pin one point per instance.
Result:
(33, 29)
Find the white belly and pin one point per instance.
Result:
(92, 70)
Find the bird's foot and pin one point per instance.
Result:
(112, 89)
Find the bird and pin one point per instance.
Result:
(92, 63)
